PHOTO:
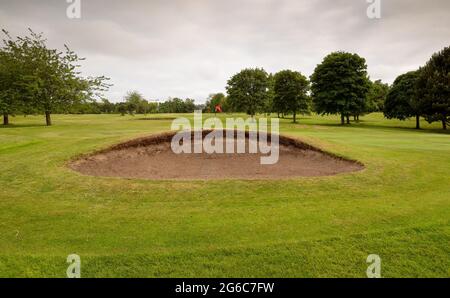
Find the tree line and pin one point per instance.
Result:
(135, 103)
(35, 79)
(340, 85)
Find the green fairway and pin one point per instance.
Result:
(398, 207)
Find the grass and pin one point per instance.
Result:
(398, 207)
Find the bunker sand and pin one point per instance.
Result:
(152, 158)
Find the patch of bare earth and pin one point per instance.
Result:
(152, 158)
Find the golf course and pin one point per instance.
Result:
(397, 207)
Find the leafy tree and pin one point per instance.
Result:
(377, 96)
(103, 106)
(49, 78)
(188, 106)
(143, 107)
(215, 100)
(134, 102)
(152, 107)
(172, 105)
(177, 105)
(7, 102)
(106, 106)
(358, 108)
(402, 100)
(340, 85)
(269, 105)
(29, 110)
(226, 106)
(248, 90)
(290, 92)
(11, 80)
(121, 107)
(434, 85)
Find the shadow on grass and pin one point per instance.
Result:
(370, 124)
(365, 124)
(22, 125)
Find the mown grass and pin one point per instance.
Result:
(398, 207)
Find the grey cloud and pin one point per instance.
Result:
(189, 48)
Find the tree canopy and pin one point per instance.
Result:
(402, 101)
(11, 82)
(177, 105)
(340, 85)
(434, 85)
(248, 90)
(290, 93)
(214, 100)
(376, 96)
(135, 103)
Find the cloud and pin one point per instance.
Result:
(189, 48)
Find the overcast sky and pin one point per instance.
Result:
(189, 48)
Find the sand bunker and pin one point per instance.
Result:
(152, 158)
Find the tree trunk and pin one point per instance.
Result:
(48, 118)
(357, 118)
(5, 119)
(348, 119)
(295, 118)
(444, 124)
(417, 121)
(342, 119)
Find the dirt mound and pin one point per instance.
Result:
(152, 158)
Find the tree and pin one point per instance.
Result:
(434, 84)
(274, 104)
(143, 107)
(215, 100)
(269, 105)
(152, 107)
(290, 92)
(133, 101)
(50, 79)
(7, 101)
(402, 100)
(377, 96)
(106, 106)
(11, 82)
(248, 90)
(121, 108)
(177, 105)
(188, 106)
(340, 85)
(226, 107)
